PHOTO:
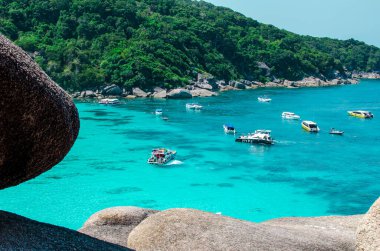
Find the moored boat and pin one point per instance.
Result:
(290, 115)
(158, 112)
(161, 156)
(193, 106)
(336, 132)
(264, 99)
(361, 114)
(229, 129)
(109, 101)
(258, 137)
(310, 126)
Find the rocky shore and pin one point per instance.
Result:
(207, 86)
(39, 126)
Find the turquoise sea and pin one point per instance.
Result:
(303, 174)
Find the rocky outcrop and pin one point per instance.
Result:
(39, 122)
(114, 224)
(20, 233)
(366, 75)
(368, 232)
(160, 94)
(179, 94)
(139, 93)
(112, 90)
(188, 229)
(88, 94)
(202, 93)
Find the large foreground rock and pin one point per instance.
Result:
(368, 233)
(20, 233)
(187, 229)
(179, 94)
(114, 224)
(39, 122)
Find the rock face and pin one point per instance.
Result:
(19, 233)
(39, 122)
(112, 90)
(368, 232)
(114, 224)
(187, 229)
(139, 93)
(202, 93)
(160, 94)
(179, 94)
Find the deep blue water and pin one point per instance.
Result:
(302, 175)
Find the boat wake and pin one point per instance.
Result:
(174, 162)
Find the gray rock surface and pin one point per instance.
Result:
(368, 232)
(114, 224)
(202, 93)
(39, 122)
(179, 94)
(112, 90)
(161, 94)
(203, 86)
(19, 233)
(139, 93)
(88, 94)
(188, 229)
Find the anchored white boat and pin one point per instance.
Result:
(290, 115)
(310, 126)
(258, 137)
(161, 156)
(336, 132)
(158, 112)
(361, 114)
(229, 129)
(264, 99)
(193, 106)
(109, 101)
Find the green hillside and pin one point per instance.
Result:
(87, 43)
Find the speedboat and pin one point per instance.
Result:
(229, 129)
(258, 137)
(158, 112)
(264, 99)
(109, 101)
(336, 132)
(310, 126)
(290, 115)
(193, 106)
(161, 156)
(361, 114)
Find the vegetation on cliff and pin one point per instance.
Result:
(87, 43)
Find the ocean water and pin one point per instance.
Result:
(303, 174)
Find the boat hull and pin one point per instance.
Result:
(361, 116)
(254, 141)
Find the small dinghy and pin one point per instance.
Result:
(229, 129)
(158, 112)
(264, 99)
(336, 132)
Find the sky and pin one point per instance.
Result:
(343, 19)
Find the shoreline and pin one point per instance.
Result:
(208, 87)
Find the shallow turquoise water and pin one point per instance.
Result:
(302, 175)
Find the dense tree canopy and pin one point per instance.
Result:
(88, 43)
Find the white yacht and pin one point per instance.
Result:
(109, 101)
(258, 137)
(193, 106)
(290, 115)
(264, 99)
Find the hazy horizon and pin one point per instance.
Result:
(342, 19)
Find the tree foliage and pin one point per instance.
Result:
(145, 43)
